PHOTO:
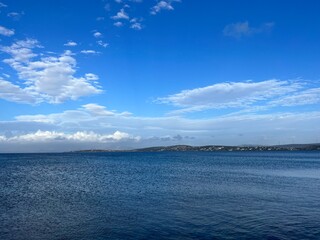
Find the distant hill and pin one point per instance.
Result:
(217, 148)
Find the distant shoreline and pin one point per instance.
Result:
(187, 148)
(215, 148)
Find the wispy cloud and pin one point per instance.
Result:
(87, 112)
(229, 95)
(102, 43)
(305, 97)
(71, 44)
(15, 15)
(45, 79)
(6, 75)
(2, 5)
(90, 52)
(6, 32)
(97, 110)
(242, 29)
(100, 18)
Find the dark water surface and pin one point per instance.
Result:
(189, 195)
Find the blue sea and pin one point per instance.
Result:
(168, 195)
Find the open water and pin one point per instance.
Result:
(177, 195)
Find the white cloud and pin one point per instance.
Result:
(136, 23)
(102, 43)
(270, 128)
(2, 5)
(97, 110)
(136, 26)
(163, 5)
(97, 34)
(118, 24)
(306, 97)
(45, 79)
(89, 52)
(38, 118)
(87, 112)
(229, 95)
(14, 93)
(71, 44)
(240, 29)
(80, 136)
(121, 15)
(21, 51)
(6, 32)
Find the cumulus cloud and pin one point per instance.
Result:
(118, 24)
(242, 29)
(14, 93)
(162, 5)
(6, 32)
(121, 15)
(71, 44)
(229, 95)
(45, 79)
(136, 24)
(80, 136)
(97, 34)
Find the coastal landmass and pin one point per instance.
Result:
(217, 148)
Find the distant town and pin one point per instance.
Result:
(215, 148)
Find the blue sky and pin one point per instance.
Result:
(134, 73)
